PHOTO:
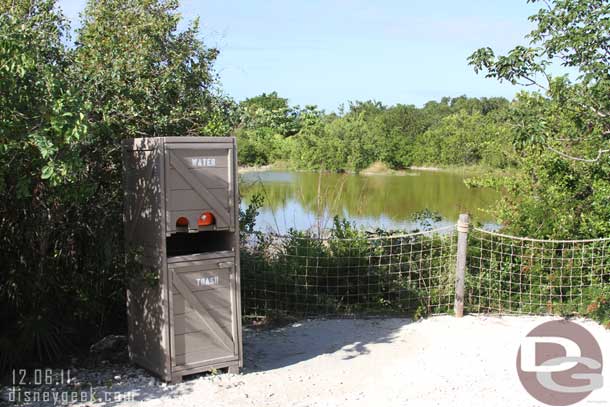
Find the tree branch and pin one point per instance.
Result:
(534, 83)
(571, 157)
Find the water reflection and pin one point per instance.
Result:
(303, 200)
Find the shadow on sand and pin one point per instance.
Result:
(300, 341)
(270, 349)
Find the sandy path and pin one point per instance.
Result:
(441, 361)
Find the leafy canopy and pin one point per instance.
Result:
(64, 109)
(561, 128)
(573, 34)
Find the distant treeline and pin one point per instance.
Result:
(458, 131)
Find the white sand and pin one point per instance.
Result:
(441, 361)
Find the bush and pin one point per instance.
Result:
(64, 114)
(348, 272)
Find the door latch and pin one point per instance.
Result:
(225, 264)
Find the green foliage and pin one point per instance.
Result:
(267, 124)
(63, 113)
(398, 136)
(558, 198)
(41, 122)
(247, 217)
(511, 275)
(147, 78)
(42, 112)
(335, 145)
(562, 130)
(598, 306)
(260, 146)
(349, 272)
(465, 139)
(270, 112)
(354, 272)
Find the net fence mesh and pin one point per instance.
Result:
(414, 274)
(298, 274)
(516, 275)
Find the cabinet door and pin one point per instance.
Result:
(200, 179)
(204, 326)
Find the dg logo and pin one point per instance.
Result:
(560, 363)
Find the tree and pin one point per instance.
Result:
(395, 130)
(63, 114)
(464, 139)
(270, 111)
(266, 101)
(143, 78)
(42, 120)
(367, 109)
(562, 128)
(575, 34)
(147, 78)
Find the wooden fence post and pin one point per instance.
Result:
(463, 225)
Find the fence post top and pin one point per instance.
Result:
(463, 223)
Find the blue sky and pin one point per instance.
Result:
(333, 51)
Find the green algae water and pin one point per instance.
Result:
(306, 200)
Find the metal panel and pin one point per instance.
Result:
(196, 157)
(144, 217)
(215, 303)
(190, 363)
(189, 200)
(202, 259)
(237, 282)
(199, 140)
(203, 310)
(142, 195)
(190, 322)
(210, 178)
(198, 146)
(201, 348)
(194, 179)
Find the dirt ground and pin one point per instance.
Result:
(440, 361)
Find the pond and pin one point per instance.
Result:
(305, 200)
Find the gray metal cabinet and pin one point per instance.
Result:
(182, 244)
